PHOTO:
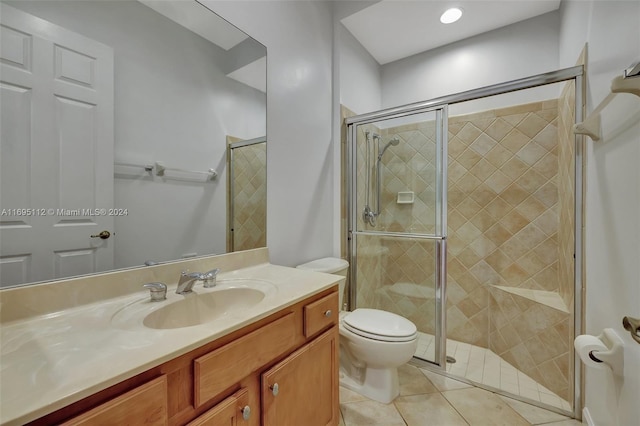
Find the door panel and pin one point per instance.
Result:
(297, 391)
(57, 151)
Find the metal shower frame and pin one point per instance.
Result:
(440, 105)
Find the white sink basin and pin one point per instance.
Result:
(197, 309)
(228, 297)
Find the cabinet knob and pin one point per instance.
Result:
(274, 389)
(246, 412)
(327, 313)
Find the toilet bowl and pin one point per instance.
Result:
(373, 343)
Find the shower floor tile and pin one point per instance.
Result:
(481, 365)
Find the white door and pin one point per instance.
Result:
(56, 152)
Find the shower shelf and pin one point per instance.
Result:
(547, 298)
(405, 197)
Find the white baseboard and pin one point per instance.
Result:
(586, 417)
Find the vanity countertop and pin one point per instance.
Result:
(52, 360)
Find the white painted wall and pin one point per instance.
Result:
(612, 31)
(520, 50)
(300, 158)
(174, 104)
(359, 73)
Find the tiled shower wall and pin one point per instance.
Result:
(510, 217)
(250, 197)
(566, 190)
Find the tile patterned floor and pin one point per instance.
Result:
(480, 365)
(429, 399)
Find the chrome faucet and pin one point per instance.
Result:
(209, 278)
(187, 281)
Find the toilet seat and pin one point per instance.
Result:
(380, 325)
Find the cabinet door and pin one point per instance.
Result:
(227, 413)
(303, 388)
(144, 405)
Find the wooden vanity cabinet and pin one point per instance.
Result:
(295, 394)
(230, 381)
(230, 412)
(143, 405)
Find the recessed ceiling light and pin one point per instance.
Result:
(451, 15)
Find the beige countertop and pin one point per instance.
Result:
(51, 360)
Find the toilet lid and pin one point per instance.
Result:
(328, 265)
(380, 325)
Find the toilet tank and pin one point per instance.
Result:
(329, 265)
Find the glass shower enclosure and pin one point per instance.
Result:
(465, 217)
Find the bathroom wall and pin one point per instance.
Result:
(612, 230)
(360, 78)
(520, 50)
(301, 173)
(164, 64)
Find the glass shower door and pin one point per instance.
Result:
(397, 221)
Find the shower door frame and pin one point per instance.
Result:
(575, 74)
(440, 225)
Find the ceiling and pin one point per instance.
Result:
(394, 29)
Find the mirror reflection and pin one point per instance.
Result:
(117, 117)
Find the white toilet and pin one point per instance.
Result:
(373, 343)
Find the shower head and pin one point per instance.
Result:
(395, 141)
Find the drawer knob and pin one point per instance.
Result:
(246, 412)
(274, 389)
(327, 313)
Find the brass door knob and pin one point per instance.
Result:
(103, 235)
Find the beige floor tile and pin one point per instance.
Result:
(367, 413)
(428, 409)
(533, 414)
(483, 408)
(412, 382)
(443, 383)
(347, 395)
(341, 420)
(570, 422)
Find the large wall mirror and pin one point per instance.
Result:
(117, 118)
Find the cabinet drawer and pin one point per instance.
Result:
(144, 405)
(320, 314)
(226, 366)
(228, 412)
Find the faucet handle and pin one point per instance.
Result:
(209, 278)
(158, 291)
(187, 274)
